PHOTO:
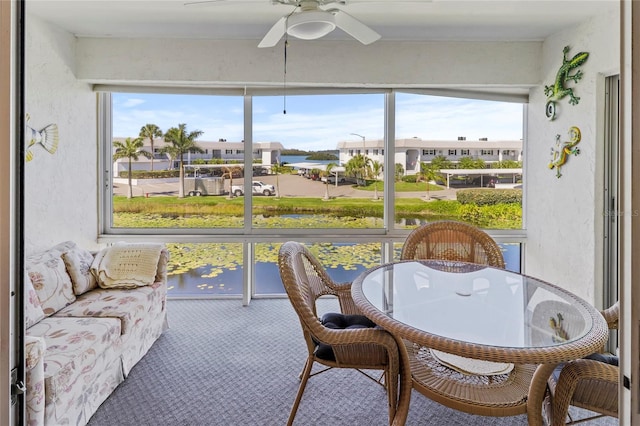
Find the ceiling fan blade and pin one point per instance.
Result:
(275, 33)
(355, 28)
(202, 3)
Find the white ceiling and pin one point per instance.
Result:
(505, 20)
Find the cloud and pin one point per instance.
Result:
(320, 122)
(132, 102)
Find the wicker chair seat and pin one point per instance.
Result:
(591, 383)
(499, 395)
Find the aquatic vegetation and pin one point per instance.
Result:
(222, 257)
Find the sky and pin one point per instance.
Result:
(318, 122)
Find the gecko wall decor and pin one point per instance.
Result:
(562, 150)
(558, 89)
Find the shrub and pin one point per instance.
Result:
(489, 196)
(491, 216)
(147, 174)
(409, 178)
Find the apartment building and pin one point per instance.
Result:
(413, 151)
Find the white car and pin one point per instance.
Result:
(332, 179)
(257, 188)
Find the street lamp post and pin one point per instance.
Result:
(363, 142)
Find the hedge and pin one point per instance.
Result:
(489, 196)
(147, 174)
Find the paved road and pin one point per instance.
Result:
(288, 185)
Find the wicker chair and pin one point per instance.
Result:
(585, 383)
(451, 240)
(305, 280)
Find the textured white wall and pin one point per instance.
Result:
(60, 189)
(328, 63)
(565, 215)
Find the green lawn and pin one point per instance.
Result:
(220, 212)
(402, 186)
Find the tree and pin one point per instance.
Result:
(507, 164)
(468, 163)
(315, 173)
(151, 131)
(326, 173)
(399, 171)
(130, 149)
(277, 169)
(427, 173)
(374, 171)
(181, 142)
(229, 171)
(357, 167)
(440, 162)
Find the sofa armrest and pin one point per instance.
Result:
(34, 349)
(163, 262)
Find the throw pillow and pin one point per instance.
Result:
(78, 261)
(127, 265)
(33, 312)
(50, 280)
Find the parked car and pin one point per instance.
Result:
(257, 188)
(332, 179)
(260, 171)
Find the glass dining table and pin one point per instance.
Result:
(479, 339)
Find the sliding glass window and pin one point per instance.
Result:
(458, 158)
(224, 179)
(174, 160)
(307, 164)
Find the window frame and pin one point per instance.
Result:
(388, 235)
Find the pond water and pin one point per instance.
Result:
(196, 283)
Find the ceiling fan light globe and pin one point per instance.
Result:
(310, 25)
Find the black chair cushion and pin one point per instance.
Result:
(341, 322)
(606, 358)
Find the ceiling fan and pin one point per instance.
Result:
(308, 21)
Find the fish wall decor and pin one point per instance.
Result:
(47, 137)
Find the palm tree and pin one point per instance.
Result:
(357, 167)
(327, 173)
(151, 131)
(229, 171)
(277, 168)
(399, 171)
(440, 162)
(130, 149)
(181, 143)
(375, 169)
(427, 173)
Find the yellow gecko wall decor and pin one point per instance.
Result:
(562, 150)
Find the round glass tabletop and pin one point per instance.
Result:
(476, 304)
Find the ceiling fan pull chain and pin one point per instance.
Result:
(284, 100)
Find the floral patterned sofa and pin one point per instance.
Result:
(90, 317)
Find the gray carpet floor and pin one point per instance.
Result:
(224, 364)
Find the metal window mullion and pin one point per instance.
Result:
(248, 163)
(247, 247)
(248, 273)
(389, 160)
(105, 165)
